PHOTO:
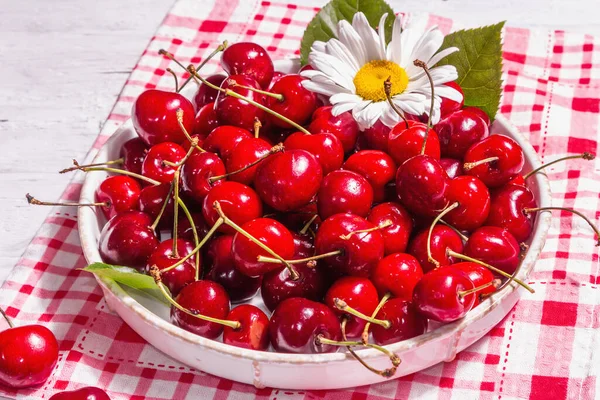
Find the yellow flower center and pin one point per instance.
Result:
(370, 78)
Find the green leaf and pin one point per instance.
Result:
(324, 25)
(127, 276)
(479, 65)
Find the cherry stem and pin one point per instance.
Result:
(460, 256)
(433, 224)
(300, 260)
(419, 63)
(162, 208)
(586, 219)
(175, 252)
(121, 172)
(387, 88)
(463, 293)
(194, 144)
(275, 149)
(585, 156)
(179, 115)
(383, 225)
(209, 234)
(365, 333)
(293, 274)
(470, 165)
(189, 217)
(169, 70)
(7, 318)
(279, 97)
(216, 51)
(257, 126)
(459, 233)
(308, 224)
(343, 306)
(32, 200)
(77, 166)
(155, 273)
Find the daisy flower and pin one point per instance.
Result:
(352, 68)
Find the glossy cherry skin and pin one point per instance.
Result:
(296, 324)
(133, 153)
(253, 333)
(154, 116)
(479, 275)
(245, 153)
(250, 59)
(205, 94)
(223, 139)
(288, 180)
(236, 112)
(474, 203)
(85, 393)
(326, 148)
(28, 355)
(398, 274)
(442, 239)
(507, 210)
(163, 257)
(298, 103)
(360, 252)
(482, 114)
(205, 298)
(449, 106)
(344, 192)
(453, 167)
(396, 235)
(184, 228)
(240, 287)
(154, 167)
(358, 293)
(437, 297)
(343, 126)
(494, 246)
(496, 173)
(269, 232)
(121, 192)
(377, 167)
(405, 322)
(277, 285)
(376, 137)
(151, 200)
(459, 131)
(239, 203)
(421, 184)
(127, 239)
(196, 172)
(205, 122)
(404, 144)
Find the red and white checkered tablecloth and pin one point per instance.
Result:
(548, 347)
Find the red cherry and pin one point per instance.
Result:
(245, 153)
(297, 323)
(396, 235)
(28, 355)
(239, 286)
(197, 171)
(448, 106)
(154, 167)
(358, 293)
(223, 139)
(163, 258)
(133, 153)
(508, 164)
(121, 192)
(277, 75)
(376, 137)
(437, 295)
(404, 144)
(343, 126)
(442, 239)
(206, 94)
(452, 167)
(326, 148)
(152, 199)
(205, 298)
(85, 393)
(278, 285)
(128, 239)
(187, 144)
(376, 167)
(236, 112)
(253, 333)
(359, 253)
(474, 203)
(184, 228)
(154, 116)
(507, 210)
(344, 191)
(398, 274)
(405, 322)
(459, 131)
(239, 203)
(494, 246)
(479, 275)
(288, 180)
(205, 122)
(250, 59)
(269, 232)
(297, 103)
(482, 114)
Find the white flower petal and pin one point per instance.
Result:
(335, 69)
(394, 50)
(441, 55)
(318, 46)
(368, 36)
(369, 115)
(341, 108)
(322, 88)
(448, 92)
(337, 49)
(352, 40)
(381, 31)
(389, 117)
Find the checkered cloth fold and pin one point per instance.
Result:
(547, 347)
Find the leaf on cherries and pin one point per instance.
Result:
(127, 276)
(324, 25)
(479, 65)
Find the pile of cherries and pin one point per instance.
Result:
(352, 238)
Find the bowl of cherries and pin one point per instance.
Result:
(284, 244)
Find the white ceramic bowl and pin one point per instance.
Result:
(150, 319)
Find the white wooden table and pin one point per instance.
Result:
(63, 63)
